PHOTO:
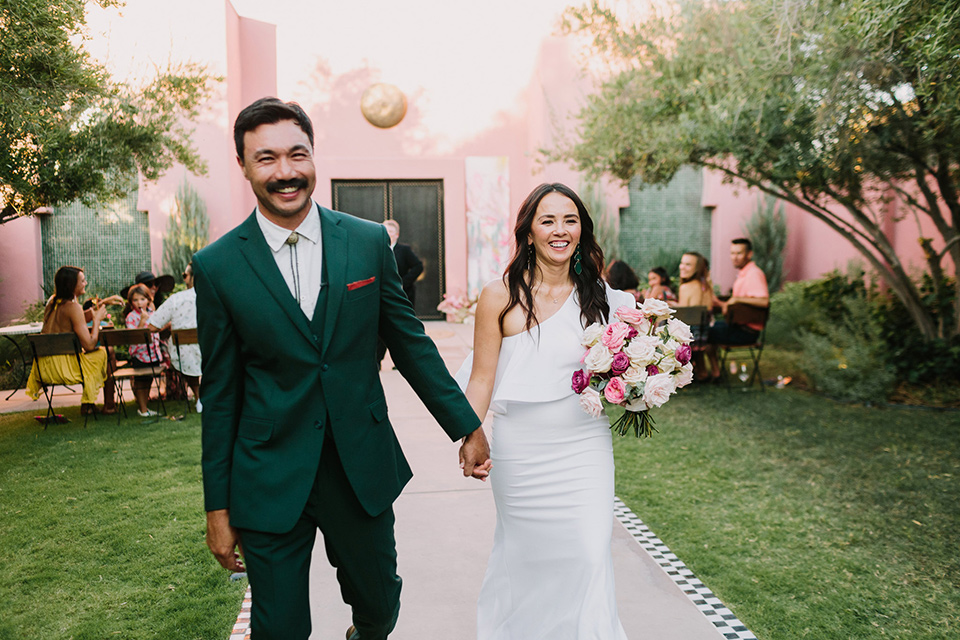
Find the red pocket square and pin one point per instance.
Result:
(361, 283)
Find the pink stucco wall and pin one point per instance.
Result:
(21, 267)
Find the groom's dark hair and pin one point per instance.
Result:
(269, 111)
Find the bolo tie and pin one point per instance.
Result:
(294, 263)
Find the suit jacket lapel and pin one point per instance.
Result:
(255, 250)
(336, 252)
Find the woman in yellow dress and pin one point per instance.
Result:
(63, 314)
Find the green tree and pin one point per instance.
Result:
(188, 229)
(67, 130)
(767, 230)
(835, 106)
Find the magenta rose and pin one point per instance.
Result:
(580, 381)
(614, 392)
(614, 335)
(653, 370)
(633, 333)
(683, 354)
(621, 362)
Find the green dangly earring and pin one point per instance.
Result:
(577, 267)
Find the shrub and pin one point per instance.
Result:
(848, 359)
(187, 230)
(767, 230)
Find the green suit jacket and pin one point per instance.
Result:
(274, 382)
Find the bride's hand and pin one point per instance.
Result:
(475, 455)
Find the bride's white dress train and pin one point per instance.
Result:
(550, 573)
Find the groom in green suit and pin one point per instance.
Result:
(296, 435)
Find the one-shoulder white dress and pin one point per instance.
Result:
(550, 573)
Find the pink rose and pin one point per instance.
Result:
(580, 381)
(684, 376)
(657, 389)
(630, 315)
(679, 330)
(614, 335)
(614, 392)
(590, 402)
(633, 333)
(655, 308)
(683, 354)
(621, 362)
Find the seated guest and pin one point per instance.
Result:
(620, 276)
(63, 314)
(158, 286)
(749, 288)
(696, 288)
(142, 356)
(659, 286)
(179, 311)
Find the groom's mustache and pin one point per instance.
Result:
(299, 183)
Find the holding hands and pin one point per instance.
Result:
(475, 456)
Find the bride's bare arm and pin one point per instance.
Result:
(486, 351)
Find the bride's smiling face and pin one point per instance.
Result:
(556, 229)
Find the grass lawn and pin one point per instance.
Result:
(102, 533)
(808, 518)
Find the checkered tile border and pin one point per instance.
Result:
(709, 605)
(241, 630)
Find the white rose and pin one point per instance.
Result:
(657, 389)
(685, 376)
(668, 364)
(591, 335)
(679, 330)
(598, 359)
(635, 375)
(590, 402)
(654, 307)
(642, 350)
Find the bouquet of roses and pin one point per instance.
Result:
(634, 363)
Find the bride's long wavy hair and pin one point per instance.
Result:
(523, 265)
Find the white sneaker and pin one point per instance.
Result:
(147, 414)
(199, 406)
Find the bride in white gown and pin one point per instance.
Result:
(550, 573)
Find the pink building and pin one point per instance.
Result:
(481, 100)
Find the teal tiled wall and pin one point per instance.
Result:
(664, 220)
(111, 242)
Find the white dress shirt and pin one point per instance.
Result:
(308, 256)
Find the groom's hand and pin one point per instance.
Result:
(475, 455)
(223, 540)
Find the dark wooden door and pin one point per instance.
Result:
(417, 206)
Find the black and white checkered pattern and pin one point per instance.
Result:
(709, 605)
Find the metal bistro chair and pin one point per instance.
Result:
(126, 337)
(183, 337)
(745, 314)
(698, 318)
(56, 344)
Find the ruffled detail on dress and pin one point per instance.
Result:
(527, 374)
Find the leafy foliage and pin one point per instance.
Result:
(767, 230)
(67, 130)
(835, 106)
(188, 230)
(605, 227)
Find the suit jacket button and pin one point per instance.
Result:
(318, 424)
(316, 338)
(325, 367)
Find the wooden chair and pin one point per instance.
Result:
(699, 320)
(183, 337)
(56, 344)
(113, 338)
(744, 314)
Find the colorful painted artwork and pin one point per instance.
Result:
(489, 239)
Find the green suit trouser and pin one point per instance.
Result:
(361, 548)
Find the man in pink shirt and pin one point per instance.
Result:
(750, 288)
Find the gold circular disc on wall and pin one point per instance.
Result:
(383, 105)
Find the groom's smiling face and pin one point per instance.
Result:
(278, 162)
